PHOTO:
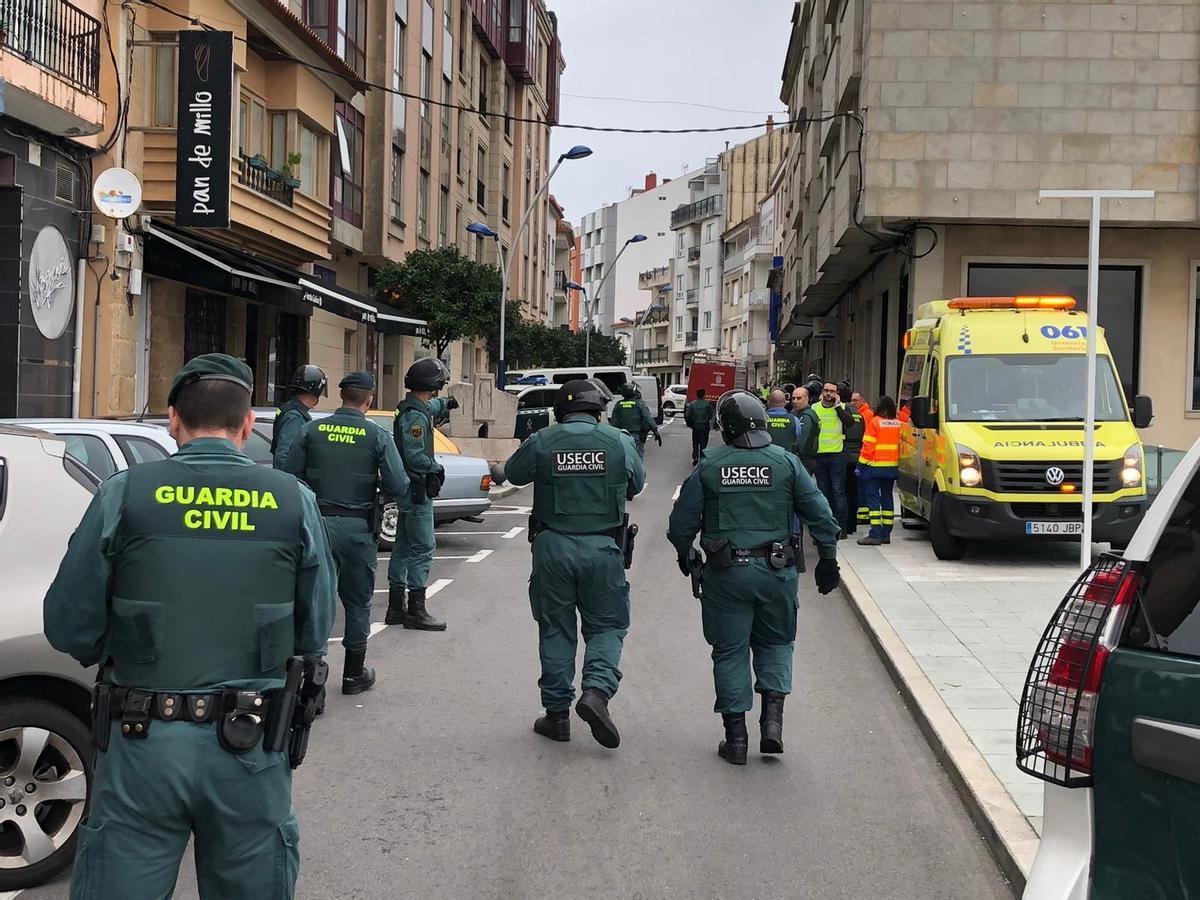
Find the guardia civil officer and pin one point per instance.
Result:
(345, 459)
(782, 424)
(309, 385)
(197, 582)
(697, 416)
(583, 472)
(632, 415)
(412, 556)
(741, 500)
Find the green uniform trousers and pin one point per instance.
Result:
(356, 553)
(640, 443)
(583, 572)
(412, 557)
(749, 611)
(149, 796)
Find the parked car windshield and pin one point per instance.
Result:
(1028, 387)
(90, 451)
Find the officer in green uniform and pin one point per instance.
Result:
(309, 384)
(741, 499)
(631, 414)
(412, 556)
(782, 425)
(583, 472)
(697, 416)
(810, 428)
(196, 578)
(345, 459)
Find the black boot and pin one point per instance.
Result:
(417, 617)
(554, 725)
(593, 709)
(356, 677)
(771, 723)
(737, 742)
(397, 605)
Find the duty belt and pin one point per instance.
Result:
(347, 512)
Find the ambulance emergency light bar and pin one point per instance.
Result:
(1012, 303)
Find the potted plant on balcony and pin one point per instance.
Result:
(289, 170)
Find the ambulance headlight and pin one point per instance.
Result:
(1131, 471)
(970, 473)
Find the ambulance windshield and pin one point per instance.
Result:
(1028, 388)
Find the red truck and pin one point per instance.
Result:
(716, 375)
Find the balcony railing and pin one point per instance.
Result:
(262, 179)
(692, 297)
(651, 277)
(759, 298)
(693, 254)
(56, 35)
(651, 356)
(689, 339)
(693, 212)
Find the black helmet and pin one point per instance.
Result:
(580, 395)
(310, 380)
(742, 420)
(629, 390)
(428, 374)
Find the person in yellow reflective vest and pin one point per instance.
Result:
(877, 465)
(830, 462)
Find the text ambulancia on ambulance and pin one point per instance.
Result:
(992, 400)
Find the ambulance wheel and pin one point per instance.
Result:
(945, 545)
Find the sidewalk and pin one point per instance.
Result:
(971, 627)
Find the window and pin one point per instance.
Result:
(1026, 387)
(707, 321)
(483, 85)
(399, 38)
(708, 276)
(910, 378)
(348, 165)
(681, 289)
(426, 83)
(91, 453)
(444, 218)
(278, 141)
(342, 25)
(508, 107)
(710, 233)
(165, 90)
(347, 350)
(1120, 302)
(139, 449)
(423, 205)
(933, 390)
(480, 175)
(446, 120)
(678, 326)
(253, 137)
(310, 160)
(680, 244)
(397, 193)
(203, 324)
(505, 178)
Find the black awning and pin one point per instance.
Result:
(338, 301)
(390, 323)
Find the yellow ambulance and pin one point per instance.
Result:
(992, 397)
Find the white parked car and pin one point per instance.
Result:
(45, 696)
(106, 446)
(674, 399)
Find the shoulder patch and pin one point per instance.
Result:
(416, 431)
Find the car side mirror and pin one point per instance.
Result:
(1143, 411)
(922, 416)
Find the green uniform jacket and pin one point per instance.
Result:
(291, 417)
(698, 414)
(414, 439)
(687, 517)
(76, 608)
(633, 416)
(386, 470)
(810, 433)
(522, 465)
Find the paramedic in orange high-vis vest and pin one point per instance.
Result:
(876, 471)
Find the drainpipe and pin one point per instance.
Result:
(76, 374)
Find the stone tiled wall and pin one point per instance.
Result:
(973, 107)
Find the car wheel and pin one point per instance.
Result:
(945, 545)
(46, 748)
(387, 527)
(668, 408)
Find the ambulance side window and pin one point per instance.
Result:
(933, 391)
(910, 379)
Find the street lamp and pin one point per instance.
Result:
(636, 239)
(579, 151)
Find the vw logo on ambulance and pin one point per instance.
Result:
(1055, 476)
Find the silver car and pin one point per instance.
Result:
(45, 696)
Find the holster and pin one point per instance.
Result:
(718, 553)
(797, 543)
(433, 484)
(416, 490)
(780, 555)
(631, 533)
(102, 708)
(283, 704)
(696, 569)
(535, 527)
(310, 704)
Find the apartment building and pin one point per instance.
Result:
(652, 350)
(698, 225)
(53, 112)
(963, 113)
(608, 251)
(562, 249)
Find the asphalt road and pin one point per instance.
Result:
(433, 785)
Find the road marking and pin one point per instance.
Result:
(434, 588)
(509, 511)
(513, 532)
(506, 534)
(479, 556)
(675, 496)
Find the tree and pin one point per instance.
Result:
(455, 295)
(535, 345)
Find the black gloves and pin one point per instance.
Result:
(827, 575)
(452, 403)
(658, 438)
(684, 566)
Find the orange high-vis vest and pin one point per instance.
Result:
(881, 443)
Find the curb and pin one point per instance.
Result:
(1009, 835)
(499, 493)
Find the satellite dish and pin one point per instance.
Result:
(117, 193)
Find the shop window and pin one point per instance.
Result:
(203, 324)
(1120, 302)
(348, 165)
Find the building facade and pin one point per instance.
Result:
(562, 239)
(698, 225)
(963, 113)
(652, 350)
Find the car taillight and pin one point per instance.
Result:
(1056, 724)
(485, 483)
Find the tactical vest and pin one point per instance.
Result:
(426, 423)
(580, 479)
(701, 413)
(203, 590)
(782, 430)
(293, 405)
(343, 465)
(627, 417)
(832, 440)
(854, 434)
(747, 495)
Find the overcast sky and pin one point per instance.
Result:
(726, 53)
